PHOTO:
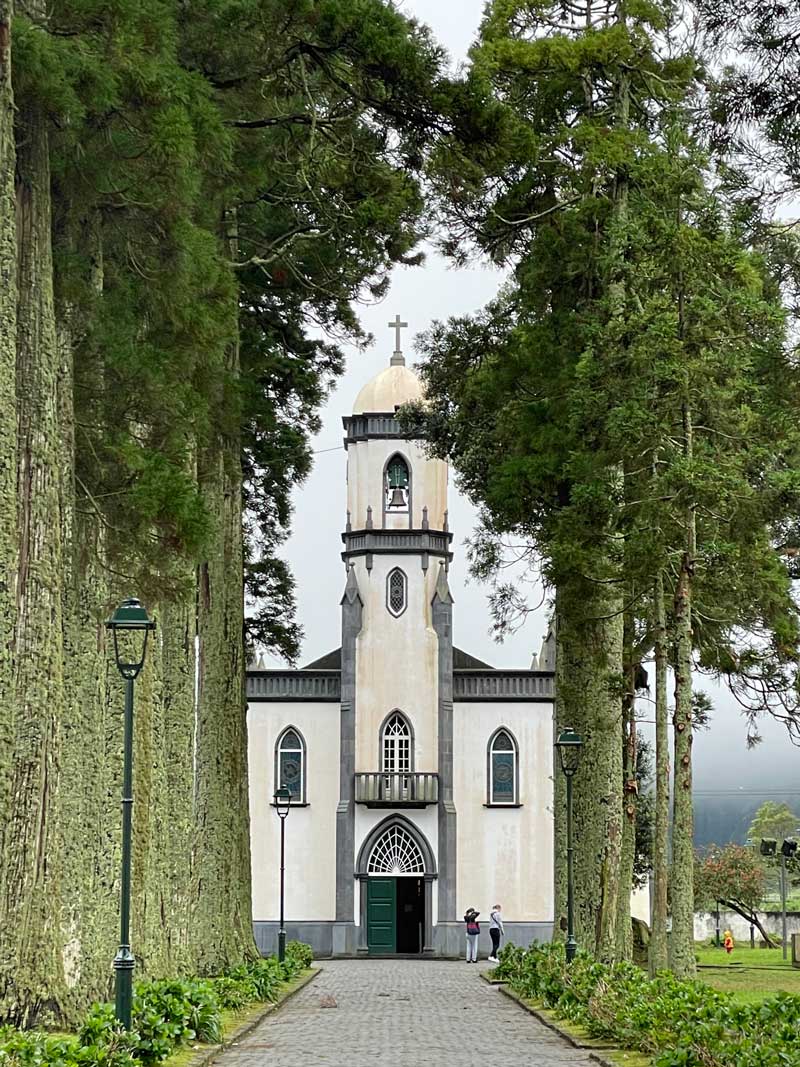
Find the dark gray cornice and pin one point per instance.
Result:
(373, 425)
(469, 686)
(521, 686)
(397, 543)
(294, 685)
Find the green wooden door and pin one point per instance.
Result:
(381, 915)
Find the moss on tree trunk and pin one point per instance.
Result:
(221, 931)
(658, 956)
(629, 793)
(32, 983)
(8, 420)
(588, 676)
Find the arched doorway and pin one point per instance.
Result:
(396, 869)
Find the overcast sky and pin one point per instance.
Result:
(421, 295)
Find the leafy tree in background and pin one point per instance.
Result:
(773, 820)
(732, 876)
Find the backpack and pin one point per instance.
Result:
(473, 927)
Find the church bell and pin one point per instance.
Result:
(398, 499)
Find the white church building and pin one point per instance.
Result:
(421, 778)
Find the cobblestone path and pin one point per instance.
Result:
(401, 1013)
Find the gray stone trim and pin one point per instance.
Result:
(352, 610)
(442, 612)
(396, 543)
(380, 829)
(329, 938)
(374, 425)
(450, 938)
(293, 685)
(525, 686)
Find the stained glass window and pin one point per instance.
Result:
(290, 764)
(502, 769)
(396, 588)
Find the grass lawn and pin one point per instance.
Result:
(750, 974)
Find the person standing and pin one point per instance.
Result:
(496, 931)
(473, 933)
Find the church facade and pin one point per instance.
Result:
(421, 778)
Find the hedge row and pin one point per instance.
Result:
(166, 1015)
(679, 1023)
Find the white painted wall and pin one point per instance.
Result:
(505, 855)
(396, 660)
(365, 464)
(310, 831)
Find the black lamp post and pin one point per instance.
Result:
(569, 745)
(130, 624)
(283, 801)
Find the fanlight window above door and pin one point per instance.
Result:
(396, 852)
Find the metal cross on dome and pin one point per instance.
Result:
(397, 326)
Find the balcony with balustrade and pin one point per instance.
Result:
(404, 789)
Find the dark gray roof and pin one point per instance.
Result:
(331, 661)
(462, 661)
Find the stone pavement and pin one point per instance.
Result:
(401, 1013)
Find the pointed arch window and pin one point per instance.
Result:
(503, 768)
(397, 484)
(397, 745)
(290, 764)
(396, 592)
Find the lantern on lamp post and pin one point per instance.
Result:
(570, 745)
(130, 625)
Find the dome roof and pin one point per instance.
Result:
(395, 385)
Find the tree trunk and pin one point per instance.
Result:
(33, 990)
(658, 957)
(588, 674)
(629, 790)
(222, 927)
(682, 959)
(8, 423)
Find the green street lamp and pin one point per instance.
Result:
(283, 801)
(570, 746)
(131, 625)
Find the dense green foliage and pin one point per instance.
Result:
(679, 1023)
(193, 196)
(166, 1015)
(627, 408)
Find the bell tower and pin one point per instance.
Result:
(397, 659)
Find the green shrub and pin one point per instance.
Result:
(166, 1015)
(678, 1023)
(170, 1013)
(301, 953)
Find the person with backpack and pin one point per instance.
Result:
(473, 933)
(496, 931)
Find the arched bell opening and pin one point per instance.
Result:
(397, 487)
